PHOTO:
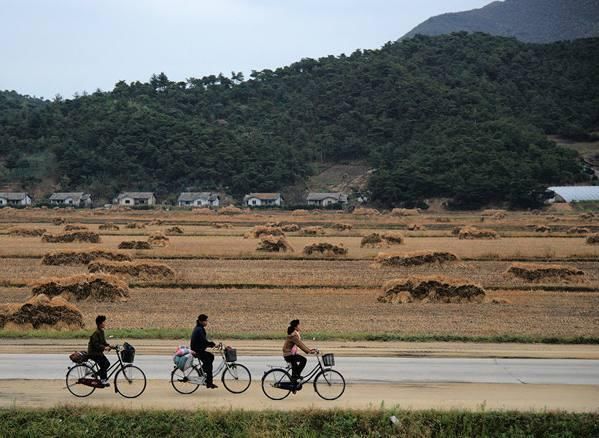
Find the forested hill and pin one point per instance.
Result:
(538, 21)
(460, 116)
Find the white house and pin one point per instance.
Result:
(326, 199)
(263, 200)
(574, 193)
(134, 199)
(14, 199)
(198, 199)
(75, 199)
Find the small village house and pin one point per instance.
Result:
(326, 199)
(263, 200)
(135, 199)
(72, 199)
(198, 199)
(14, 199)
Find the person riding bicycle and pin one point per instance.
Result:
(290, 350)
(96, 346)
(199, 343)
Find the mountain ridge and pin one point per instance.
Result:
(534, 21)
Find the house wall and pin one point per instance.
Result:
(3, 201)
(255, 202)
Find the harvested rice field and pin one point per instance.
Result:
(217, 269)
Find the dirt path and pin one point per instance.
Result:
(341, 348)
(159, 395)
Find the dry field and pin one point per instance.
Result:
(218, 271)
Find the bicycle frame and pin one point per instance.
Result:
(112, 369)
(215, 371)
(308, 377)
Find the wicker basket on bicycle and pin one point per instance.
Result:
(128, 353)
(328, 360)
(230, 354)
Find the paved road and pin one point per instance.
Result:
(355, 369)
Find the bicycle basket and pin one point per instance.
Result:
(230, 354)
(328, 360)
(128, 353)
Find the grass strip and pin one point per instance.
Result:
(70, 421)
(184, 333)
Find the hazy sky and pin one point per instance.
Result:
(67, 46)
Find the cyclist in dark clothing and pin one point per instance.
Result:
(96, 347)
(199, 343)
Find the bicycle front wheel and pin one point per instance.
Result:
(186, 382)
(236, 378)
(276, 384)
(75, 378)
(130, 381)
(329, 384)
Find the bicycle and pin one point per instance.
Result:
(129, 380)
(236, 377)
(329, 384)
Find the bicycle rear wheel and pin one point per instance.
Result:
(236, 378)
(276, 384)
(74, 378)
(329, 384)
(186, 382)
(130, 381)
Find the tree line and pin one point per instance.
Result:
(463, 116)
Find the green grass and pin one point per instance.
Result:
(184, 333)
(87, 422)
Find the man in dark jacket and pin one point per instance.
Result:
(199, 343)
(96, 347)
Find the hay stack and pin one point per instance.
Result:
(442, 220)
(325, 248)
(588, 216)
(542, 229)
(593, 240)
(455, 231)
(579, 230)
(42, 312)
(313, 231)
(81, 257)
(371, 240)
(290, 228)
(393, 238)
(135, 225)
(143, 270)
(221, 225)
(158, 239)
(402, 212)
(264, 230)
(156, 222)
(26, 232)
(538, 272)
(342, 227)
(135, 244)
(496, 213)
(299, 212)
(274, 244)
(72, 227)
(174, 230)
(230, 210)
(415, 227)
(73, 236)
(109, 227)
(97, 287)
(471, 233)
(58, 221)
(431, 289)
(203, 210)
(366, 212)
(415, 258)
